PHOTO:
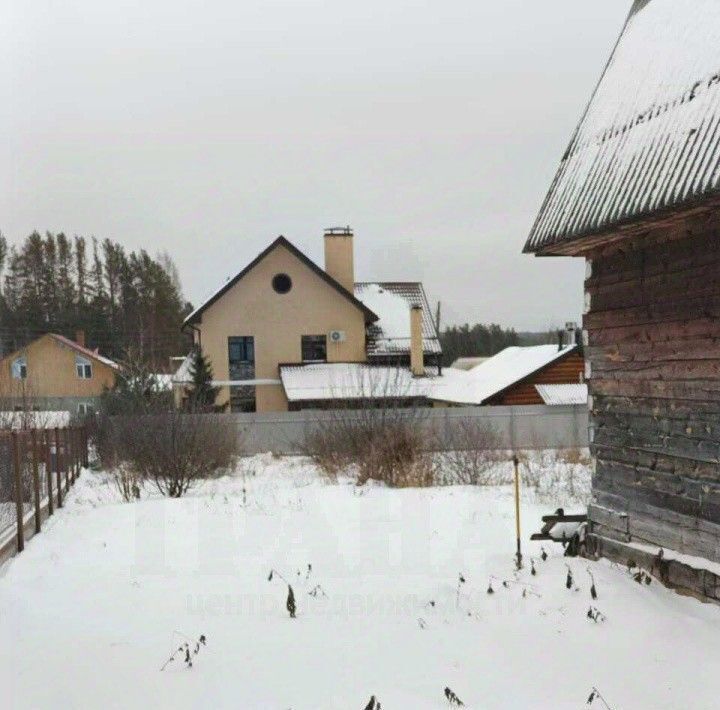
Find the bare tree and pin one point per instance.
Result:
(376, 424)
(172, 450)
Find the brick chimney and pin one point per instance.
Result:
(339, 256)
(80, 338)
(417, 367)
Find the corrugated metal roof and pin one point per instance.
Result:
(563, 394)
(391, 301)
(650, 137)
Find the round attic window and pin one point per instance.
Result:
(281, 283)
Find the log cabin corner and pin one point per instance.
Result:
(637, 195)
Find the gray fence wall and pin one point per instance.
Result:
(516, 427)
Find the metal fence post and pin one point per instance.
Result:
(36, 479)
(18, 492)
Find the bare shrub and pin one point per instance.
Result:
(574, 456)
(561, 476)
(397, 456)
(127, 481)
(377, 434)
(469, 454)
(382, 444)
(172, 450)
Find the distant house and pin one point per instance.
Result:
(55, 373)
(516, 375)
(282, 313)
(637, 195)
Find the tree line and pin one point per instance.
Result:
(475, 340)
(121, 300)
(481, 340)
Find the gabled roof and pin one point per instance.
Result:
(94, 354)
(281, 241)
(392, 301)
(497, 374)
(649, 140)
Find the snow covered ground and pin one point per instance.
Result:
(97, 602)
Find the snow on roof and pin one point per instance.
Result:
(495, 374)
(349, 381)
(467, 363)
(85, 351)
(182, 374)
(392, 301)
(649, 137)
(163, 381)
(563, 394)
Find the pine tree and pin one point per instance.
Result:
(54, 284)
(202, 392)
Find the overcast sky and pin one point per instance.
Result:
(209, 127)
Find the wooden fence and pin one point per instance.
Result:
(37, 468)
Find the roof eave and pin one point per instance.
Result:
(699, 207)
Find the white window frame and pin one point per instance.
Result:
(85, 408)
(19, 368)
(83, 368)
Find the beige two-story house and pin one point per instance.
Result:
(55, 373)
(284, 333)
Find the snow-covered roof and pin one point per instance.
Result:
(391, 301)
(322, 381)
(182, 374)
(499, 372)
(467, 363)
(163, 381)
(563, 394)
(649, 138)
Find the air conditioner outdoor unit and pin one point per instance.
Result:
(337, 336)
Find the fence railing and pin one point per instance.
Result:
(37, 468)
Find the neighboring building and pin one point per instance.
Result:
(512, 376)
(283, 311)
(55, 373)
(637, 194)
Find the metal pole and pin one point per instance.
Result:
(518, 555)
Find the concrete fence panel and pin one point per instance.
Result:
(514, 427)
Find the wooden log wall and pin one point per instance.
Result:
(653, 347)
